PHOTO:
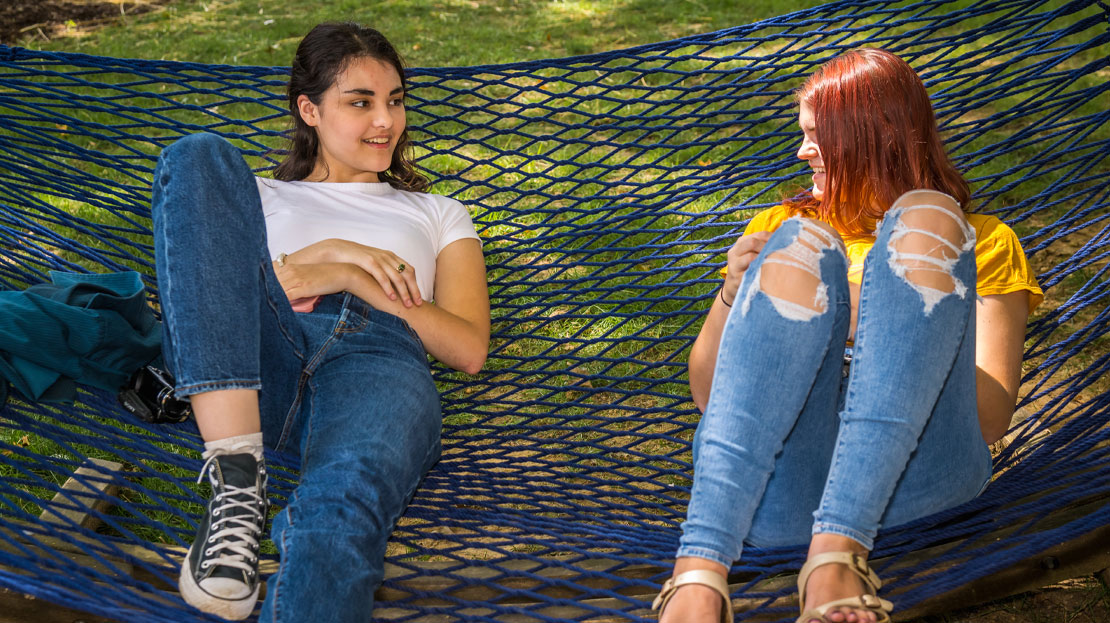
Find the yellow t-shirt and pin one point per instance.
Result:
(1001, 263)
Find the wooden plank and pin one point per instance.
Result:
(17, 608)
(23, 543)
(94, 491)
(1085, 555)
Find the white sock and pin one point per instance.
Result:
(235, 445)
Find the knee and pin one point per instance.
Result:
(203, 146)
(202, 162)
(827, 233)
(926, 231)
(202, 174)
(791, 275)
(360, 491)
(348, 501)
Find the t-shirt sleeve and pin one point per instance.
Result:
(1002, 265)
(767, 220)
(455, 223)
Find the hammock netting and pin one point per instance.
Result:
(606, 189)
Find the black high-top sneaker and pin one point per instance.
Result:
(220, 573)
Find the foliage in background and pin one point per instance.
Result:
(429, 33)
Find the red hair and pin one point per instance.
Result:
(878, 138)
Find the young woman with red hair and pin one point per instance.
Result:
(841, 394)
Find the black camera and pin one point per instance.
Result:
(149, 395)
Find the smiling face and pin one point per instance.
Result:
(358, 122)
(810, 151)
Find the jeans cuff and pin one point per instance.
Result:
(707, 554)
(824, 527)
(201, 387)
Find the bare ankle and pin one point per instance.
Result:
(693, 563)
(822, 543)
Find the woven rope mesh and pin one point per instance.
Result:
(606, 189)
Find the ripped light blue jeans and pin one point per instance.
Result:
(790, 445)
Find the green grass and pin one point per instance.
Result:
(428, 33)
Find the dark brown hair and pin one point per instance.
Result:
(878, 138)
(322, 55)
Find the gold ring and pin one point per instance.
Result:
(401, 267)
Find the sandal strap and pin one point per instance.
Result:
(703, 577)
(856, 563)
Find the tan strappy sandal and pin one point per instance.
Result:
(866, 601)
(698, 576)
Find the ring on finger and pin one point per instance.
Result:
(401, 267)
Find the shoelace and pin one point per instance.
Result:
(238, 534)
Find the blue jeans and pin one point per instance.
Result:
(346, 385)
(791, 445)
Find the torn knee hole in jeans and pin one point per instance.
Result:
(791, 276)
(924, 247)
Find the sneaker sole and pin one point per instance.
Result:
(194, 595)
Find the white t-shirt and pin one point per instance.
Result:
(415, 226)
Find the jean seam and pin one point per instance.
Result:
(277, 316)
(704, 554)
(303, 383)
(307, 449)
(311, 365)
(168, 315)
(433, 448)
(195, 388)
(828, 527)
(285, 543)
(292, 502)
(294, 408)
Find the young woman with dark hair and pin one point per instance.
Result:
(841, 394)
(383, 275)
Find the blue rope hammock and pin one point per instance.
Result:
(606, 189)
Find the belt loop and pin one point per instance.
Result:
(344, 311)
(352, 305)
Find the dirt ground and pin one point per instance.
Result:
(1080, 600)
(20, 19)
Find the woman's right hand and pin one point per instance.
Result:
(740, 257)
(303, 281)
(380, 264)
(703, 354)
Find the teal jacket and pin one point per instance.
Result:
(94, 329)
